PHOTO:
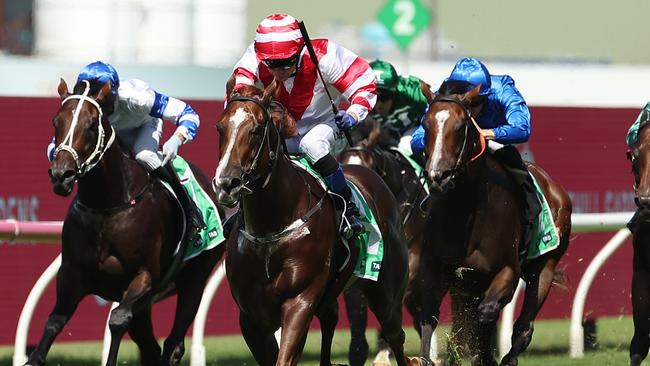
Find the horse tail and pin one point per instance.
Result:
(560, 280)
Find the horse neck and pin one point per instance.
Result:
(111, 182)
(272, 208)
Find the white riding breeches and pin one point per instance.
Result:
(404, 144)
(144, 141)
(320, 140)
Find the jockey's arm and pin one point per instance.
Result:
(517, 117)
(351, 75)
(245, 71)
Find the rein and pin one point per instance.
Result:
(250, 175)
(482, 142)
(115, 209)
(100, 147)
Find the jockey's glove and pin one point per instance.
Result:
(170, 149)
(345, 120)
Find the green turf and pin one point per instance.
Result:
(549, 347)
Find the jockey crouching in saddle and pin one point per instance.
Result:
(504, 120)
(278, 53)
(401, 102)
(136, 112)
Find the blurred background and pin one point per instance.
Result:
(583, 67)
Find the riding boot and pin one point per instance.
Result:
(331, 171)
(193, 216)
(509, 156)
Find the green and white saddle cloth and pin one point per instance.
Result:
(544, 237)
(212, 235)
(418, 169)
(370, 242)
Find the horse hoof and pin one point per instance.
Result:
(420, 361)
(382, 358)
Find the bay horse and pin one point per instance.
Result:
(119, 234)
(640, 157)
(287, 263)
(374, 148)
(474, 231)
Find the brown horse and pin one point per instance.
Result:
(474, 232)
(288, 264)
(640, 157)
(119, 235)
(374, 149)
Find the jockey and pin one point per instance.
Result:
(504, 120)
(136, 112)
(278, 53)
(401, 101)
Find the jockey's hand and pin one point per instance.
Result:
(170, 149)
(345, 120)
(488, 134)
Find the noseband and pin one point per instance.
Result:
(455, 171)
(100, 147)
(250, 174)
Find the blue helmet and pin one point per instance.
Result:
(102, 72)
(474, 72)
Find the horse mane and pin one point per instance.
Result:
(454, 87)
(278, 112)
(371, 133)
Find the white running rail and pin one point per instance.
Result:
(50, 232)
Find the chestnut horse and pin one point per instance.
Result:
(288, 263)
(640, 157)
(119, 235)
(374, 149)
(474, 232)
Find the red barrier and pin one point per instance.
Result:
(582, 148)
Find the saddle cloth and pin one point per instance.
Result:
(370, 242)
(212, 235)
(545, 236)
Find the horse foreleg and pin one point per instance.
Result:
(432, 290)
(641, 313)
(122, 315)
(498, 294)
(356, 307)
(296, 316)
(539, 277)
(328, 315)
(260, 340)
(486, 349)
(189, 286)
(69, 292)
(141, 332)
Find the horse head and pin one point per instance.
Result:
(80, 132)
(251, 130)
(640, 157)
(452, 138)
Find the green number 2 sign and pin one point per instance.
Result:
(404, 19)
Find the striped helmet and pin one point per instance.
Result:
(278, 37)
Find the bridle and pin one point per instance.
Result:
(456, 170)
(100, 147)
(250, 175)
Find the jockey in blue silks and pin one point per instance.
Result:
(136, 112)
(504, 120)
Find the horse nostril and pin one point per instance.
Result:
(60, 175)
(229, 183)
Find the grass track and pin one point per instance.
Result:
(549, 347)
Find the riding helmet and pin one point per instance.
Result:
(102, 72)
(385, 75)
(278, 37)
(474, 72)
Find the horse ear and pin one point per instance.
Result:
(63, 89)
(269, 93)
(469, 97)
(105, 90)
